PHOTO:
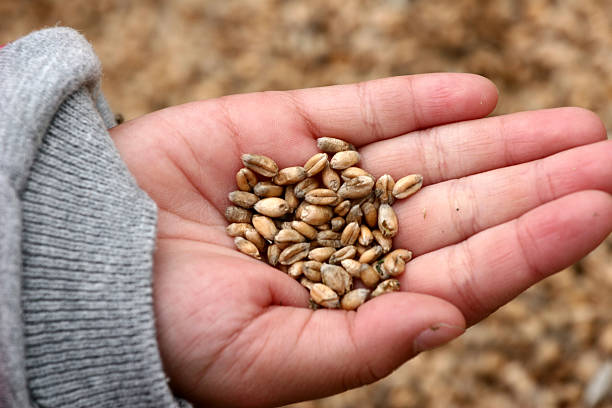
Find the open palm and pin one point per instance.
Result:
(506, 202)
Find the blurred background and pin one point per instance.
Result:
(552, 346)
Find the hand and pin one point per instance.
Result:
(507, 201)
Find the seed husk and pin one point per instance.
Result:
(243, 199)
(321, 196)
(294, 253)
(352, 266)
(305, 229)
(387, 286)
(337, 278)
(291, 198)
(337, 223)
(379, 267)
(316, 164)
(357, 187)
(304, 186)
(260, 164)
(354, 215)
(252, 235)
(330, 178)
(265, 226)
(384, 189)
(385, 242)
(371, 254)
(290, 175)
(272, 207)
(324, 296)
(291, 236)
(273, 254)
(365, 236)
(387, 220)
(347, 252)
(237, 214)
(296, 269)
(314, 214)
(245, 179)
(368, 276)
(370, 213)
(395, 261)
(321, 254)
(237, 229)
(247, 247)
(267, 189)
(350, 234)
(355, 298)
(407, 186)
(312, 270)
(333, 145)
(344, 160)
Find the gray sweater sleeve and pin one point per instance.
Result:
(76, 239)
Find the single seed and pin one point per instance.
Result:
(237, 229)
(365, 236)
(385, 242)
(371, 254)
(312, 270)
(296, 269)
(407, 186)
(329, 238)
(370, 213)
(267, 189)
(260, 164)
(321, 254)
(291, 198)
(245, 179)
(273, 254)
(333, 145)
(305, 229)
(343, 208)
(351, 266)
(324, 296)
(237, 214)
(395, 261)
(337, 223)
(314, 214)
(368, 276)
(387, 221)
(246, 247)
(379, 267)
(330, 178)
(353, 172)
(384, 189)
(344, 160)
(305, 282)
(265, 226)
(324, 227)
(321, 196)
(354, 215)
(243, 198)
(252, 235)
(272, 207)
(388, 286)
(337, 278)
(350, 234)
(290, 175)
(305, 186)
(347, 252)
(294, 253)
(316, 164)
(288, 236)
(355, 298)
(357, 187)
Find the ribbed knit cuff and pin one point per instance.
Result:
(88, 235)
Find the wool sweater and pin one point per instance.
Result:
(76, 239)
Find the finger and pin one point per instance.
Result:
(492, 267)
(460, 149)
(449, 212)
(314, 354)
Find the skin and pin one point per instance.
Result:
(506, 202)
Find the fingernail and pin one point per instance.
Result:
(436, 335)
